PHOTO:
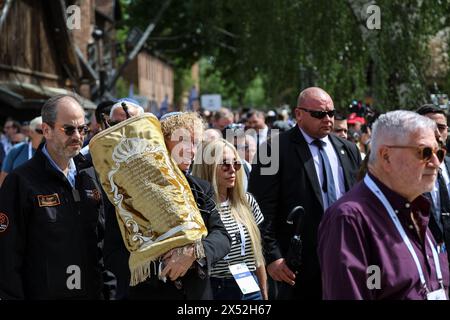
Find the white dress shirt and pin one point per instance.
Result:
(336, 166)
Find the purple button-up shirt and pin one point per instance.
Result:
(357, 232)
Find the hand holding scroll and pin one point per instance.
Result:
(178, 261)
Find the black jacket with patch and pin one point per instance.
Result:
(50, 246)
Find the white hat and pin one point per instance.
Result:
(36, 122)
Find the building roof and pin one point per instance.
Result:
(31, 96)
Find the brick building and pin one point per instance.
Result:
(40, 56)
(152, 78)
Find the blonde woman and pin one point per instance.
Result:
(220, 164)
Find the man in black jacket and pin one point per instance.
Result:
(51, 215)
(311, 168)
(440, 198)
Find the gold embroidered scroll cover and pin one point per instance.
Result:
(155, 208)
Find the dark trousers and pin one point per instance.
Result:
(228, 289)
(192, 288)
(304, 289)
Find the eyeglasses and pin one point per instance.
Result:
(39, 131)
(69, 130)
(319, 114)
(442, 127)
(226, 166)
(426, 153)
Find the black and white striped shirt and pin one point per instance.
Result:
(220, 269)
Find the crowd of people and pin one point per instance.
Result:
(370, 201)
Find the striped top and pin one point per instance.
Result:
(220, 269)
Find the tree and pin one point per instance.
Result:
(292, 44)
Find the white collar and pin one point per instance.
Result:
(310, 139)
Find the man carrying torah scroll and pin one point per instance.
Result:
(167, 218)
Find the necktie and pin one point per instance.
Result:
(328, 186)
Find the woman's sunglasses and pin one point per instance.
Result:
(39, 131)
(226, 166)
(319, 114)
(70, 130)
(426, 153)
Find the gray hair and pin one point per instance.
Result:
(49, 110)
(35, 123)
(397, 126)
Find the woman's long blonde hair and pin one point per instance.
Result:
(205, 167)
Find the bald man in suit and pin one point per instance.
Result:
(315, 168)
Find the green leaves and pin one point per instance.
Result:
(291, 44)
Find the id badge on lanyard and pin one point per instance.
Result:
(433, 295)
(240, 271)
(437, 295)
(244, 278)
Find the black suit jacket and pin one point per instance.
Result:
(294, 184)
(438, 234)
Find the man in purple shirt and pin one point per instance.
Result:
(374, 242)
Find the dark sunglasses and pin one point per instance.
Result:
(69, 130)
(319, 114)
(426, 153)
(227, 166)
(39, 131)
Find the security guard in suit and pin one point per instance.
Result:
(307, 167)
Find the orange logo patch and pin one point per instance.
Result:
(50, 200)
(4, 222)
(93, 194)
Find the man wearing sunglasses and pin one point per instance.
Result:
(316, 168)
(24, 151)
(439, 196)
(375, 242)
(51, 214)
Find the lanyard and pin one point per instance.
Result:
(242, 233)
(379, 194)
